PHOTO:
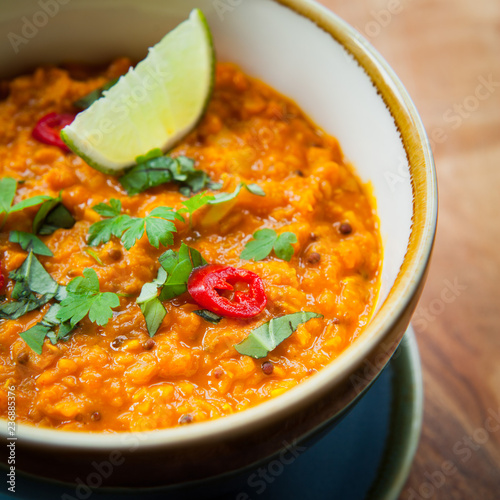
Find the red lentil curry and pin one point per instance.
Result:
(119, 377)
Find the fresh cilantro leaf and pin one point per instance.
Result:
(268, 336)
(261, 246)
(219, 207)
(224, 197)
(154, 169)
(283, 247)
(113, 225)
(8, 188)
(255, 189)
(209, 316)
(94, 255)
(154, 153)
(195, 202)
(179, 266)
(34, 287)
(85, 298)
(112, 210)
(159, 231)
(134, 230)
(265, 240)
(29, 202)
(52, 215)
(35, 336)
(157, 225)
(87, 100)
(29, 242)
(153, 310)
(32, 277)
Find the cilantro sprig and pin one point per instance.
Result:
(8, 188)
(265, 241)
(34, 287)
(85, 298)
(50, 327)
(30, 242)
(51, 215)
(158, 226)
(154, 169)
(171, 282)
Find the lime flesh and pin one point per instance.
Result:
(153, 106)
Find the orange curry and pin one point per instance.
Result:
(118, 378)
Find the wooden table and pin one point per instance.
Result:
(447, 53)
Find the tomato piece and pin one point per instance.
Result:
(48, 128)
(206, 285)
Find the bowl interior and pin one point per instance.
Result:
(290, 52)
(268, 41)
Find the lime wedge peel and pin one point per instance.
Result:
(153, 106)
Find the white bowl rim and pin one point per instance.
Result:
(400, 296)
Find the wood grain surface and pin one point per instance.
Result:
(447, 53)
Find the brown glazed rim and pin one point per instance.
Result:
(379, 329)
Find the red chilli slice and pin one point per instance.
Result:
(48, 128)
(206, 283)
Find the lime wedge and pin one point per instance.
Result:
(153, 106)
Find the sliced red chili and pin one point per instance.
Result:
(48, 128)
(207, 284)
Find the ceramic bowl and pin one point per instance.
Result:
(310, 55)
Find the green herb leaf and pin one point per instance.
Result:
(261, 246)
(179, 266)
(157, 225)
(35, 336)
(89, 99)
(112, 210)
(34, 287)
(159, 231)
(255, 189)
(224, 197)
(283, 247)
(52, 215)
(154, 153)
(268, 336)
(153, 169)
(32, 277)
(195, 202)
(153, 310)
(265, 240)
(29, 202)
(208, 316)
(85, 298)
(30, 242)
(8, 188)
(94, 255)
